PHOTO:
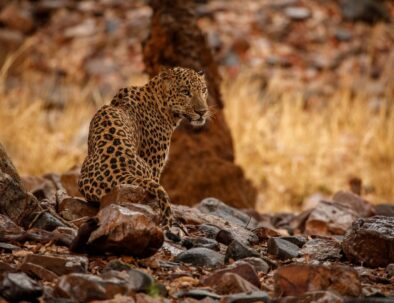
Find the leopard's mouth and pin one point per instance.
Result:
(199, 122)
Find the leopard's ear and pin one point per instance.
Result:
(166, 74)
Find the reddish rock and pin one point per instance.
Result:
(370, 241)
(38, 271)
(240, 268)
(362, 207)
(125, 194)
(230, 283)
(322, 249)
(282, 249)
(74, 208)
(297, 279)
(266, 230)
(125, 231)
(69, 181)
(329, 218)
(17, 17)
(216, 174)
(8, 227)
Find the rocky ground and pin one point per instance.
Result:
(56, 247)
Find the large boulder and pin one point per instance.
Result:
(201, 162)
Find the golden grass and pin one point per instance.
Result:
(287, 151)
(290, 152)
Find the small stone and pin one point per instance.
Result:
(370, 241)
(137, 280)
(16, 287)
(362, 207)
(190, 242)
(230, 283)
(8, 247)
(198, 294)
(322, 249)
(75, 208)
(241, 268)
(385, 210)
(59, 264)
(237, 251)
(342, 34)
(249, 297)
(87, 287)
(38, 271)
(265, 231)
(125, 231)
(69, 180)
(316, 296)
(258, 264)
(17, 17)
(296, 279)
(8, 227)
(201, 257)
(210, 231)
(329, 218)
(365, 10)
(390, 270)
(297, 240)
(216, 207)
(125, 193)
(282, 249)
(297, 13)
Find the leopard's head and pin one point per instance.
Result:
(187, 94)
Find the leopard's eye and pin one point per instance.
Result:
(204, 90)
(185, 92)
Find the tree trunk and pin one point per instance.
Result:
(201, 162)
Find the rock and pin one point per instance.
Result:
(230, 283)
(126, 231)
(8, 247)
(59, 264)
(201, 257)
(16, 287)
(329, 218)
(218, 208)
(385, 210)
(297, 240)
(219, 177)
(254, 296)
(322, 249)
(362, 207)
(342, 34)
(282, 249)
(87, 287)
(40, 187)
(4, 267)
(365, 10)
(74, 208)
(17, 17)
(297, 13)
(38, 271)
(240, 268)
(296, 279)
(198, 294)
(136, 280)
(69, 181)
(225, 237)
(258, 264)
(125, 193)
(370, 241)
(210, 231)
(193, 216)
(314, 296)
(264, 231)
(190, 242)
(390, 270)
(237, 251)
(8, 227)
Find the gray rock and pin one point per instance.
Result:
(137, 280)
(258, 264)
(297, 13)
(190, 242)
(282, 249)
(250, 297)
(237, 251)
(201, 257)
(216, 207)
(365, 10)
(297, 240)
(210, 231)
(16, 287)
(322, 249)
(198, 294)
(370, 241)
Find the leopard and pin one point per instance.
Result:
(129, 138)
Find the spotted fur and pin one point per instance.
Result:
(129, 139)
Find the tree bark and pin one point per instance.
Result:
(201, 162)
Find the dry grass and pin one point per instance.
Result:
(287, 151)
(290, 153)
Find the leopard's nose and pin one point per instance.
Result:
(201, 112)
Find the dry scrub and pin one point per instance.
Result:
(291, 152)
